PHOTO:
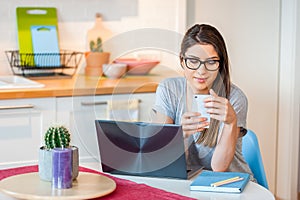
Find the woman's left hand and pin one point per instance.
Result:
(220, 108)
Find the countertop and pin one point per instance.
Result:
(81, 85)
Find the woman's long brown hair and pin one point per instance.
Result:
(206, 34)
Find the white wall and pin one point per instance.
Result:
(76, 19)
(297, 75)
(251, 31)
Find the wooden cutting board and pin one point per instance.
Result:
(98, 31)
(28, 17)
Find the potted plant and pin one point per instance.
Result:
(95, 58)
(56, 137)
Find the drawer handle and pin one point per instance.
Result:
(92, 103)
(86, 103)
(17, 107)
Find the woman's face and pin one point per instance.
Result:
(201, 80)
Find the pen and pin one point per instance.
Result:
(230, 180)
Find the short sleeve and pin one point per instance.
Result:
(239, 102)
(163, 100)
(169, 95)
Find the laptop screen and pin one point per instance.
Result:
(142, 149)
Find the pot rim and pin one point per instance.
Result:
(44, 147)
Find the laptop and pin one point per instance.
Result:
(143, 149)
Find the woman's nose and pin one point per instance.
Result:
(202, 69)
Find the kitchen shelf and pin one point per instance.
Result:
(63, 64)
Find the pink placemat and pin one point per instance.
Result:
(126, 190)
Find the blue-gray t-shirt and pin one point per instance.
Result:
(171, 101)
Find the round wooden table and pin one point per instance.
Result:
(30, 186)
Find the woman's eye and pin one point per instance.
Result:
(193, 61)
(211, 62)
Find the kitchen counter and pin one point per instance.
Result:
(80, 85)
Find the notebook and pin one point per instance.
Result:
(210, 181)
(143, 149)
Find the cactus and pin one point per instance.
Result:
(96, 47)
(57, 137)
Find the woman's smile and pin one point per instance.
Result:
(200, 80)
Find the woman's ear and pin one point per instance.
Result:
(182, 65)
(181, 61)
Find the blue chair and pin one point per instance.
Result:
(252, 155)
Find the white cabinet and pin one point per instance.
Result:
(22, 126)
(23, 123)
(79, 114)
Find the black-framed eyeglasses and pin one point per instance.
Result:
(195, 63)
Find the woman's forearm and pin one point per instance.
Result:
(158, 117)
(225, 148)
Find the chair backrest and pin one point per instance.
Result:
(252, 155)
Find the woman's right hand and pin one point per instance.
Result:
(192, 122)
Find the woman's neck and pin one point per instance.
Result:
(191, 90)
(189, 95)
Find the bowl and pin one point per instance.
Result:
(114, 70)
(138, 66)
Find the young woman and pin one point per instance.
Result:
(204, 60)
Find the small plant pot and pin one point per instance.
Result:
(45, 163)
(96, 59)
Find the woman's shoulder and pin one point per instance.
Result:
(235, 90)
(237, 94)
